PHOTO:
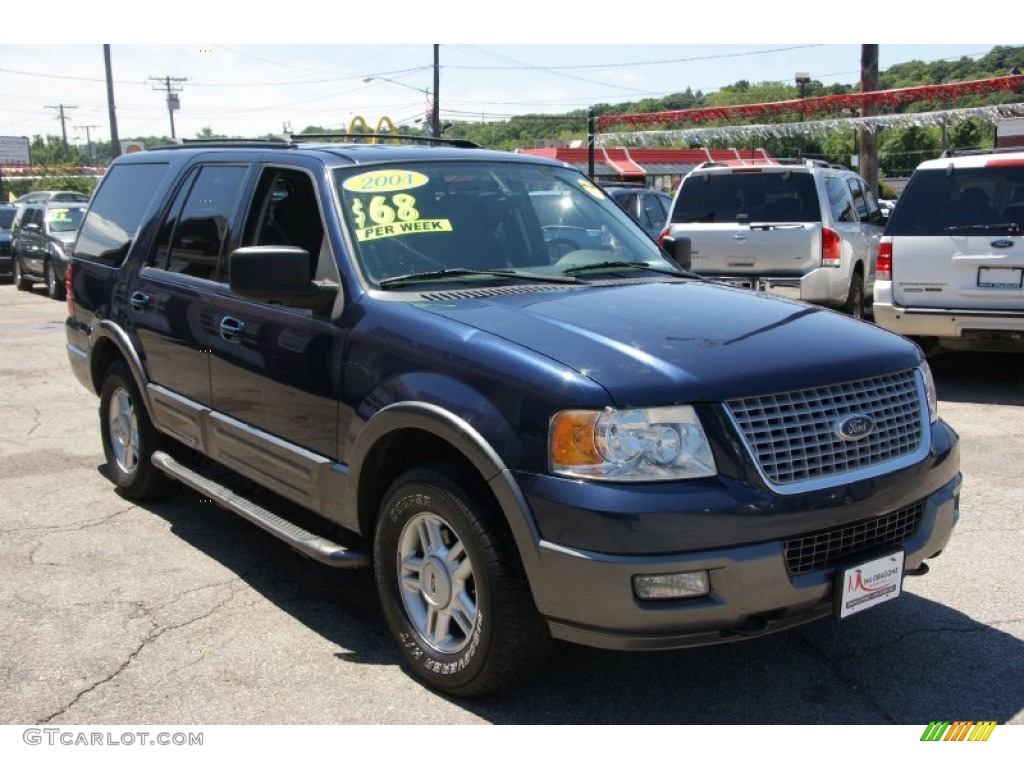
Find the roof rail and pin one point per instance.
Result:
(293, 140)
(954, 152)
(191, 143)
(382, 138)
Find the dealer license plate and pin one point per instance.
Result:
(869, 584)
(1000, 277)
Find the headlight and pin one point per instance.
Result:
(929, 390)
(634, 445)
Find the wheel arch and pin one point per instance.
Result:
(405, 434)
(111, 343)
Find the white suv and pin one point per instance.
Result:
(951, 263)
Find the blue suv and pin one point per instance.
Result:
(526, 439)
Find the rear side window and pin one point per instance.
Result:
(715, 198)
(117, 210)
(938, 202)
(193, 235)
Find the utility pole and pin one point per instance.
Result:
(63, 119)
(170, 85)
(115, 141)
(435, 119)
(88, 141)
(869, 139)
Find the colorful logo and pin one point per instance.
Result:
(961, 730)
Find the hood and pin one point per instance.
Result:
(649, 343)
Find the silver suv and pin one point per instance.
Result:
(951, 263)
(805, 230)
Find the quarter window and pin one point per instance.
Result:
(117, 212)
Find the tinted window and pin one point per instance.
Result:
(859, 201)
(202, 227)
(707, 198)
(839, 200)
(936, 202)
(6, 217)
(116, 214)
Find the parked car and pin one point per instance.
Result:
(806, 230)
(951, 263)
(52, 196)
(648, 207)
(886, 206)
(43, 239)
(6, 219)
(525, 444)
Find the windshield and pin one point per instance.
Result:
(940, 201)
(64, 219)
(475, 221)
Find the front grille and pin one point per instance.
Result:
(793, 436)
(827, 548)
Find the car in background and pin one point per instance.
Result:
(50, 196)
(800, 229)
(887, 207)
(39, 252)
(648, 207)
(7, 212)
(951, 263)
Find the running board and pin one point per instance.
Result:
(307, 543)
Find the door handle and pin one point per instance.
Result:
(231, 330)
(139, 301)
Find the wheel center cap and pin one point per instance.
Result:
(435, 583)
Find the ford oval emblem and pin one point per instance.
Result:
(854, 427)
(1002, 243)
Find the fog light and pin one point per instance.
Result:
(671, 586)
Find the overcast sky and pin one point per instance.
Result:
(251, 86)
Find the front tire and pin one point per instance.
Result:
(18, 276)
(452, 587)
(129, 437)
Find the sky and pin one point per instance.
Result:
(531, 60)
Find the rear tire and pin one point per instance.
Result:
(129, 437)
(855, 299)
(452, 586)
(54, 287)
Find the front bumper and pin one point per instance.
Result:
(587, 595)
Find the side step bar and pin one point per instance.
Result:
(305, 542)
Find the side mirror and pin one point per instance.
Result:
(278, 274)
(679, 250)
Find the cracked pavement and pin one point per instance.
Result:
(180, 612)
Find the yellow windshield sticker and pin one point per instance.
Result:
(384, 181)
(382, 210)
(420, 226)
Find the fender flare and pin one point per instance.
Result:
(464, 438)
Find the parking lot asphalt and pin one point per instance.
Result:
(180, 612)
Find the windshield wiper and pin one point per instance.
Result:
(441, 274)
(615, 264)
(1010, 226)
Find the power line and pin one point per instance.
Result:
(63, 119)
(170, 85)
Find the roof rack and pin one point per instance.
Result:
(954, 152)
(382, 138)
(292, 141)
